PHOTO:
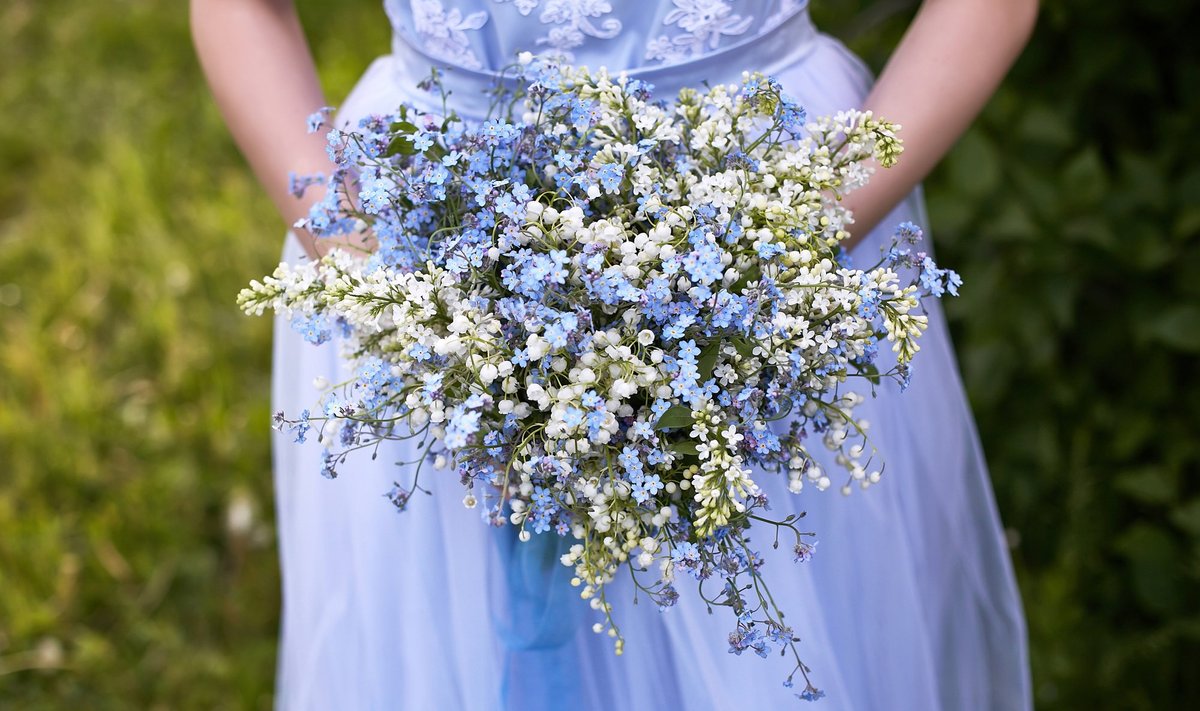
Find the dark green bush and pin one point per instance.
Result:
(1073, 211)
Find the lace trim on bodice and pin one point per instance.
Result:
(626, 34)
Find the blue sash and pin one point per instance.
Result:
(537, 614)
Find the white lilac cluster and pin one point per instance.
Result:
(612, 314)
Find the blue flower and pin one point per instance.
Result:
(595, 422)
(804, 551)
(583, 113)
(686, 553)
(953, 281)
(660, 407)
(641, 429)
(630, 461)
(688, 351)
(298, 184)
(317, 118)
(399, 496)
(374, 196)
(557, 332)
(315, 329)
(497, 132)
(610, 175)
(769, 250)
(566, 160)
(645, 487)
(674, 331)
(791, 115)
(432, 389)
(667, 597)
(572, 417)
(704, 263)
(302, 427)
(739, 160)
(348, 434)
(422, 142)
(936, 282)
(505, 205)
(908, 233)
(541, 497)
(463, 423)
(329, 462)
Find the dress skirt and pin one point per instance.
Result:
(908, 603)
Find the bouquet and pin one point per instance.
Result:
(607, 315)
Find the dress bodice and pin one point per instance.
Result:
(618, 34)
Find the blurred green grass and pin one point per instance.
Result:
(1072, 209)
(134, 395)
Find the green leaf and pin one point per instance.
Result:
(1086, 178)
(1143, 180)
(1151, 485)
(401, 143)
(435, 152)
(751, 274)
(685, 446)
(1187, 517)
(974, 165)
(744, 348)
(1178, 327)
(708, 360)
(1154, 559)
(1187, 222)
(871, 372)
(675, 416)
(404, 127)
(1046, 125)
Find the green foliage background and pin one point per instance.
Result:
(133, 395)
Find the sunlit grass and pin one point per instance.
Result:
(134, 395)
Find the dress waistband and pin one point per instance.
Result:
(780, 46)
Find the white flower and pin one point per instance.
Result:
(622, 389)
(488, 373)
(536, 346)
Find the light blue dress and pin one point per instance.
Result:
(909, 603)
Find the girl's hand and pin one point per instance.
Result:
(948, 65)
(261, 72)
(362, 242)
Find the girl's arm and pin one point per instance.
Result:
(261, 72)
(949, 63)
